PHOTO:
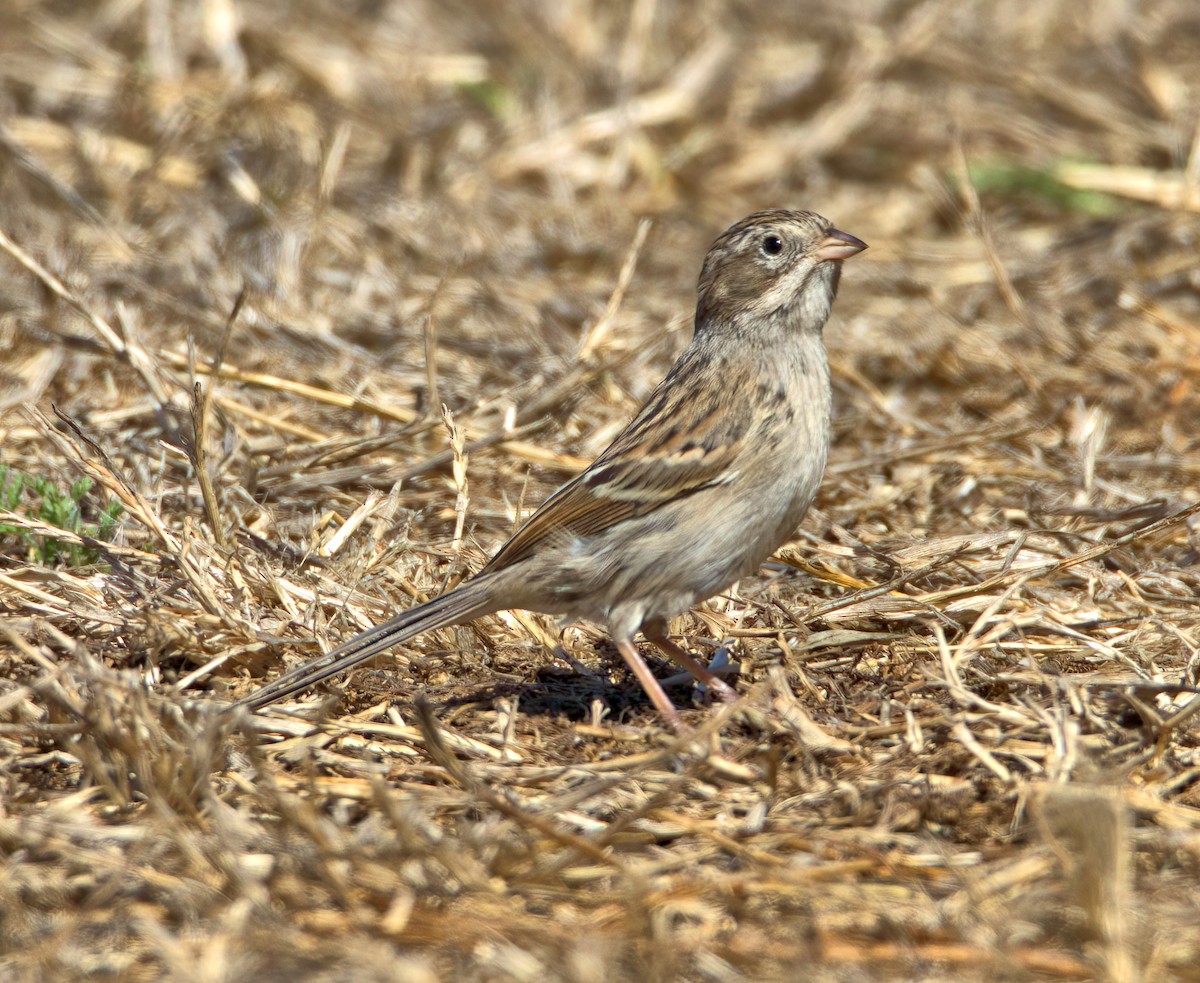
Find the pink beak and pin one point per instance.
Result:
(838, 245)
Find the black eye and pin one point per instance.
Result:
(772, 245)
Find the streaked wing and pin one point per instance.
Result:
(672, 449)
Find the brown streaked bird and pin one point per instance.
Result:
(713, 474)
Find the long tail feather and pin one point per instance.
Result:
(472, 600)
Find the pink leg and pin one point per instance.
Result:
(653, 689)
(721, 689)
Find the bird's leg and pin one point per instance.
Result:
(653, 689)
(657, 634)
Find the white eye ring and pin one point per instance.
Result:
(771, 244)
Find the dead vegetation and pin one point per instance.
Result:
(969, 743)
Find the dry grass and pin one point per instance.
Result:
(969, 745)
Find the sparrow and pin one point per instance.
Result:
(711, 476)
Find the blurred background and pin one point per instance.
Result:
(502, 208)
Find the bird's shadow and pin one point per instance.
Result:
(567, 693)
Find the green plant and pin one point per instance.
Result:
(42, 499)
(491, 95)
(1040, 184)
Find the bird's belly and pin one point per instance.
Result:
(671, 559)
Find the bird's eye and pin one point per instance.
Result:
(772, 245)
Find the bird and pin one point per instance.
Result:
(709, 478)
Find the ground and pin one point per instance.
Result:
(250, 250)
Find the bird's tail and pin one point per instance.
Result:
(472, 600)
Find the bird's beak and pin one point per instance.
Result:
(838, 245)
